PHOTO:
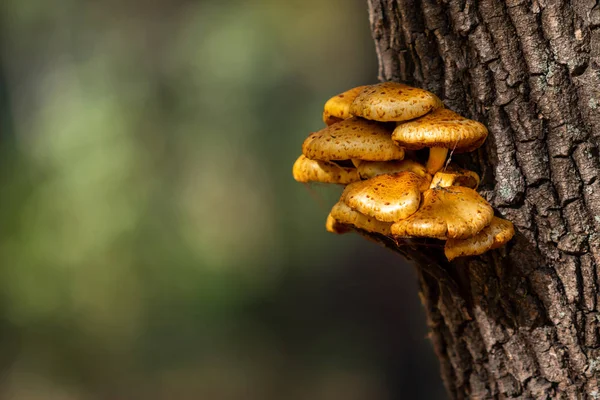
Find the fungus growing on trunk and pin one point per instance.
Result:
(447, 213)
(388, 198)
(354, 138)
(306, 170)
(337, 108)
(495, 235)
(370, 169)
(453, 175)
(440, 130)
(343, 214)
(392, 101)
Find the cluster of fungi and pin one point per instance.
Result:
(371, 145)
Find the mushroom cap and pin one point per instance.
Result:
(352, 138)
(454, 175)
(307, 170)
(333, 226)
(343, 214)
(447, 213)
(392, 101)
(337, 108)
(370, 169)
(388, 198)
(441, 128)
(492, 236)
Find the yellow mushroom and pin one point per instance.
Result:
(495, 235)
(337, 108)
(353, 138)
(453, 175)
(440, 130)
(447, 213)
(333, 226)
(306, 170)
(343, 214)
(370, 169)
(392, 101)
(387, 198)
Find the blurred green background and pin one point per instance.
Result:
(153, 243)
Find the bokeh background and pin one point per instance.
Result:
(153, 244)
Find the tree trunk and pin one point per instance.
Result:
(519, 322)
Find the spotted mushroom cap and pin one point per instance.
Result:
(337, 108)
(392, 101)
(343, 214)
(307, 170)
(441, 128)
(453, 175)
(370, 169)
(493, 236)
(352, 138)
(333, 226)
(447, 213)
(388, 198)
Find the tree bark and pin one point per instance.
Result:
(523, 321)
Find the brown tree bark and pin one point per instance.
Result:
(519, 322)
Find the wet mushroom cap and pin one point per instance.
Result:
(333, 226)
(454, 175)
(495, 235)
(307, 170)
(343, 214)
(441, 128)
(388, 198)
(392, 101)
(370, 169)
(447, 213)
(337, 108)
(353, 138)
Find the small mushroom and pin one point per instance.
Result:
(353, 138)
(453, 175)
(392, 101)
(388, 198)
(343, 214)
(495, 235)
(447, 213)
(333, 226)
(307, 170)
(440, 130)
(370, 169)
(337, 108)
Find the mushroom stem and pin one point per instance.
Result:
(437, 159)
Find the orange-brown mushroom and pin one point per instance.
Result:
(453, 175)
(353, 138)
(370, 169)
(440, 130)
(343, 214)
(388, 198)
(447, 213)
(392, 101)
(337, 108)
(306, 170)
(495, 235)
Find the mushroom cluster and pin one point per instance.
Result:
(371, 146)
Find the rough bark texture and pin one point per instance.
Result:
(520, 322)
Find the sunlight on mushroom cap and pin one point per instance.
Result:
(306, 170)
(337, 108)
(441, 128)
(343, 214)
(455, 212)
(454, 175)
(495, 235)
(370, 169)
(392, 101)
(352, 138)
(388, 198)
